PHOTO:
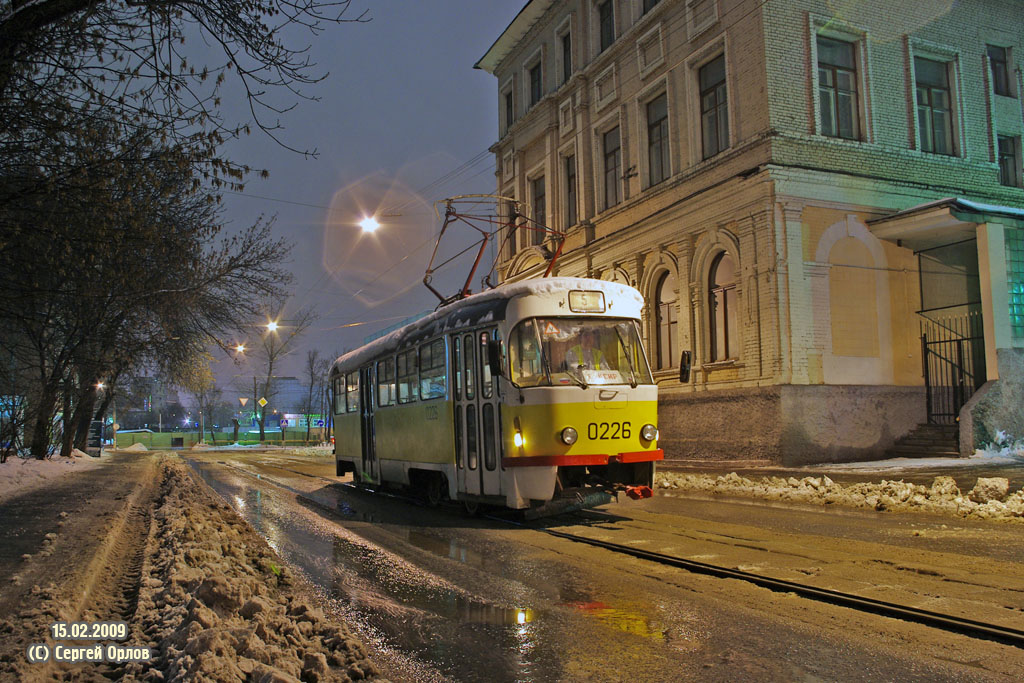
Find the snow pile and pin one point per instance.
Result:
(18, 476)
(136, 447)
(217, 607)
(321, 451)
(989, 499)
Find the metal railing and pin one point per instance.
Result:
(953, 358)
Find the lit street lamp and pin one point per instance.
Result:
(369, 224)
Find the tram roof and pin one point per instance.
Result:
(474, 310)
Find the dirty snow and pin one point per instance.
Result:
(18, 476)
(135, 447)
(989, 499)
(219, 606)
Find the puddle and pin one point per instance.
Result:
(389, 600)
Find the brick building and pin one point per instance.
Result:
(818, 200)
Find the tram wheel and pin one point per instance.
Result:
(434, 489)
(471, 507)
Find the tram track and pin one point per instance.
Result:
(938, 620)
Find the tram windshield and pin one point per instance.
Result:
(582, 351)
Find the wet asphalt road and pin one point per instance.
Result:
(438, 596)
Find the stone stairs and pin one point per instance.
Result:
(927, 441)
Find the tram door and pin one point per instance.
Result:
(366, 384)
(477, 426)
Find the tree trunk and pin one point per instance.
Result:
(42, 419)
(83, 416)
(68, 421)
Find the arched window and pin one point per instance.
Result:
(722, 300)
(666, 317)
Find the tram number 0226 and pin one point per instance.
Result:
(608, 430)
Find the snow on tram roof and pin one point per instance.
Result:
(539, 286)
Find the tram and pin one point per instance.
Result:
(534, 395)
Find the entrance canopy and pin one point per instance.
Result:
(944, 221)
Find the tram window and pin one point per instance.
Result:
(471, 456)
(352, 391)
(433, 377)
(457, 366)
(486, 385)
(524, 353)
(338, 386)
(458, 438)
(490, 461)
(468, 365)
(408, 385)
(386, 383)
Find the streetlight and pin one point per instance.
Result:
(272, 326)
(99, 385)
(240, 348)
(369, 224)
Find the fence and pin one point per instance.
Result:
(169, 440)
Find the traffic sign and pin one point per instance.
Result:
(243, 400)
(262, 402)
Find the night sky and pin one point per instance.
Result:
(401, 108)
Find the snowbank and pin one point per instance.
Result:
(989, 499)
(220, 608)
(135, 447)
(18, 476)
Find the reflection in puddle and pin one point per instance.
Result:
(634, 619)
(443, 547)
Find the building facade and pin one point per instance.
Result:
(820, 200)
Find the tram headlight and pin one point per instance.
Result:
(649, 432)
(569, 436)
(518, 439)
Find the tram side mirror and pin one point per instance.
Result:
(494, 349)
(685, 360)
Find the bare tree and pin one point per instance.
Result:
(132, 61)
(316, 383)
(85, 269)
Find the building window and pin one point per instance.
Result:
(666, 320)
(722, 301)
(570, 191)
(713, 107)
(540, 213)
(998, 63)
(612, 167)
(566, 57)
(934, 105)
(649, 5)
(657, 139)
(510, 111)
(837, 88)
(536, 84)
(1009, 160)
(606, 23)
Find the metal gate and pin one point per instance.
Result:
(953, 355)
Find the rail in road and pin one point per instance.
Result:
(961, 625)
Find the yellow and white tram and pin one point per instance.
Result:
(521, 395)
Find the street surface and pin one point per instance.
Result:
(439, 596)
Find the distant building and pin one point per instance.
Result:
(289, 395)
(823, 209)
